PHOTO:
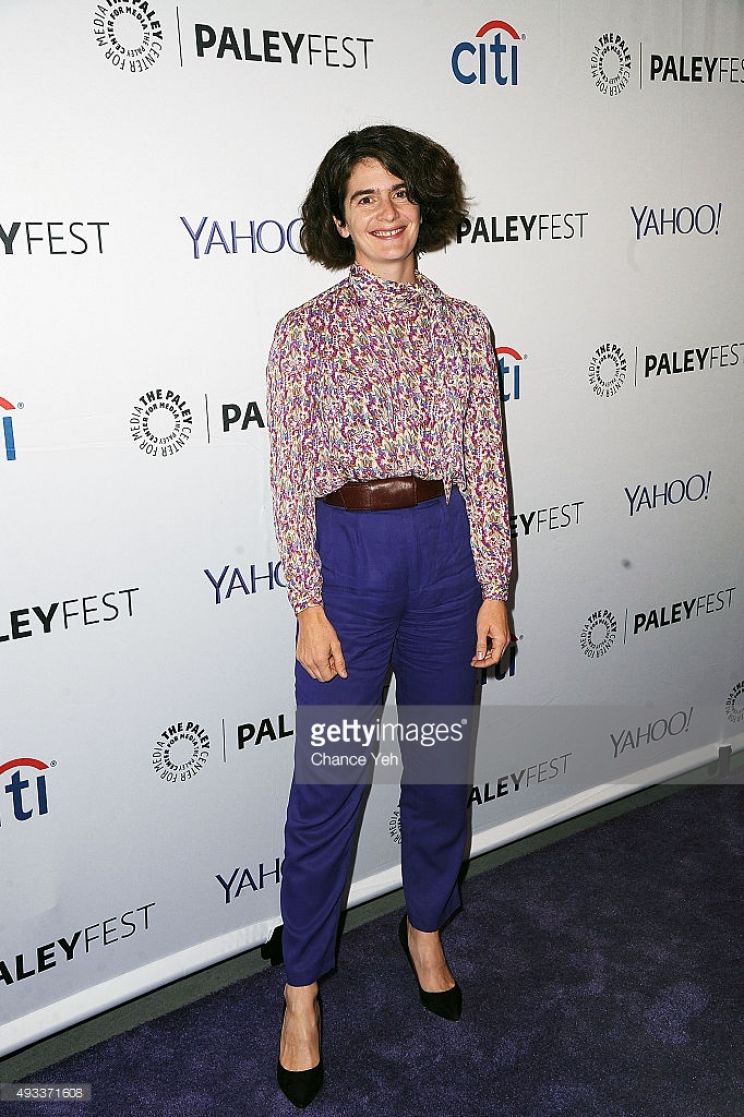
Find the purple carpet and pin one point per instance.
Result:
(602, 976)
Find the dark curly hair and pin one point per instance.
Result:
(432, 179)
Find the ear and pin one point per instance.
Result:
(341, 228)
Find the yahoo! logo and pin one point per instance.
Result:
(236, 580)
(703, 219)
(505, 370)
(8, 435)
(261, 236)
(503, 70)
(22, 811)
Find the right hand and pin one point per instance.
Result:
(318, 645)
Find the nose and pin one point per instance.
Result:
(388, 209)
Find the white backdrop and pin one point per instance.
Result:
(154, 158)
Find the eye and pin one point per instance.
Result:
(402, 194)
(365, 200)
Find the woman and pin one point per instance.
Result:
(390, 507)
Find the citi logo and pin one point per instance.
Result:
(509, 374)
(28, 795)
(471, 62)
(8, 433)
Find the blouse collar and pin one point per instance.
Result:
(389, 294)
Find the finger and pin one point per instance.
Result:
(337, 658)
(312, 666)
(492, 655)
(323, 671)
(481, 646)
(482, 651)
(324, 667)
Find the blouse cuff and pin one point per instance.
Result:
(496, 589)
(300, 603)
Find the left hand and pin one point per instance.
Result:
(491, 624)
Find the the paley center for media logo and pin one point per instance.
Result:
(129, 33)
(181, 751)
(610, 64)
(161, 422)
(735, 703)
(608, 368)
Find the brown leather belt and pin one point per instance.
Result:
(384, 494)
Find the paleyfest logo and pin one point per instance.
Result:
(129, 33)
(471, 63)
(610, 64)
(598, 633)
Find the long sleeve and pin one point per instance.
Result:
(290, 409)
(486, 494)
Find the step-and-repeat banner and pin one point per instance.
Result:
(154, 159)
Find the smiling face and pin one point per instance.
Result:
(381, 220)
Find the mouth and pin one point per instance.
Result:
(388, 234)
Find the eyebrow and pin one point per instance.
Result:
(359, 193)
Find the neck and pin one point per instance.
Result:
(401, 271)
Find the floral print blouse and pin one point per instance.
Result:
(375, 378)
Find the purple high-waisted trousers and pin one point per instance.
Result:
(400, 588)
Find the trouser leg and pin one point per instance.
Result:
(362, 603)
(319, 837)
(431, 659)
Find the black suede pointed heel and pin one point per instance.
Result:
(447, 1004)
(301, 1086)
